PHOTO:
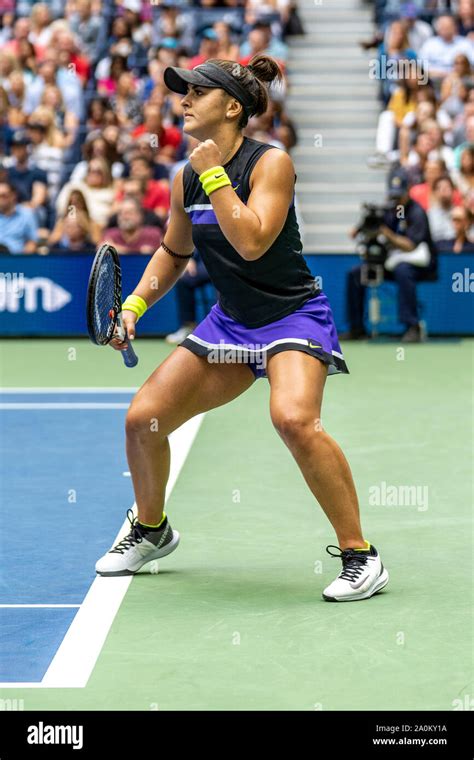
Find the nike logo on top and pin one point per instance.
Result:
(314, 345)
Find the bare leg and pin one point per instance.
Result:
(297, 383)
(181, 387)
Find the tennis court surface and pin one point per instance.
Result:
(234, 619)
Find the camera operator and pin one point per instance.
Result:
(409, 256)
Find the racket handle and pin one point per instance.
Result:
(129, 357)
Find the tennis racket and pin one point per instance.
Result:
(104, 302)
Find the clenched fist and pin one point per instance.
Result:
(206, 155)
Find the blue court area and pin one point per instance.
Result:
(63, 499)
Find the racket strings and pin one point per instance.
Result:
(105, 305)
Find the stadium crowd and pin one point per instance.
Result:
(90, 137)
(425, 54)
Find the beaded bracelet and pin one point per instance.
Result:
(178, 255)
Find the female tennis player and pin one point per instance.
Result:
(234, 201)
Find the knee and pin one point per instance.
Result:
(142, 420)
(294, 425)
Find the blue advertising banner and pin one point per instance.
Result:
(46, 295)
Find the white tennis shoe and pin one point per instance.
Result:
(137, 548)
(362, 575)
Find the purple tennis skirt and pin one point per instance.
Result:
(310, 328)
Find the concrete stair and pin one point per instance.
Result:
(333, 102)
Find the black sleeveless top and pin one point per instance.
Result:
(253, 293)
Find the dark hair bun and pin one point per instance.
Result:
(265, 68)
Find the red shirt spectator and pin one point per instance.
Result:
(145, 240)
(157, 197)
(166, 135)
(421, 194)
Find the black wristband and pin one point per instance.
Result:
(178, 255)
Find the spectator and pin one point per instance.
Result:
(464, 176)
(454, 85)
(5, 128)
(226, 47)
(21, 31)
(69, 56)
(50, 73)
(394, 51)
(135, 188)
(174, 22)
(423, 193)
(465, 13)
(75, 237)
(141, 31)
(26, 60)
(439, 214)
(16, 89)
(97, 146)
(131, 236)
(402, 102)
(439, 52)
(97, 188)
(417, 31)
(40, 29)
(65, 122)
(440, 149)
(208, 48)
(18, 228)
(107, 84)
(412, 257)
(261, 40)
(415, 161)
(468, 143)
(157, 193)
(7, 65)
(76, 206)
(122, 43)
(461, 241)
(167, 139)
(47, 146)
(142, 148)
(88, 29)
(30, 183)
(126, 103)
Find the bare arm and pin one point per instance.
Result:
(163, 270)
(399, 241)
(251, 229)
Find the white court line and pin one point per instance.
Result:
(100, 389)
(47, 405)
(40, 606)
(75, 659)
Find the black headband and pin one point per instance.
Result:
(209, 75)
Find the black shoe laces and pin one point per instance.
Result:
(134, 537)
(353, 562)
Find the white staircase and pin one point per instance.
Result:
(334, 105)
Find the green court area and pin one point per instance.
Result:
(234, 619)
